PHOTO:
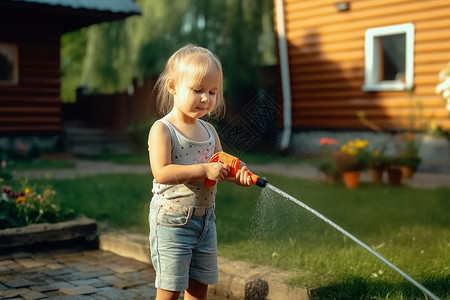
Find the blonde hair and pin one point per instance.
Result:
(189, 65)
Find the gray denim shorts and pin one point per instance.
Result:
(183, 245)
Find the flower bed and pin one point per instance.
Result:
(31, 204)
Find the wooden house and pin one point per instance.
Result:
(30, 32)
(378, 58)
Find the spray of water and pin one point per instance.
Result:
(340, 229)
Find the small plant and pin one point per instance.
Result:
(354, 156)
(327, 163)
(30, 205)
(408, 150)
(378, 159)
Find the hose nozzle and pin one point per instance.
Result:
(261, 182)
(234, 164)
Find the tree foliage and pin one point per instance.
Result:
(105, 58)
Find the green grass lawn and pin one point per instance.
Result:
(410, 227)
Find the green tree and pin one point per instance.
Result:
(106, 58)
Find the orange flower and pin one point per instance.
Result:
(21, 200)
(328, 141)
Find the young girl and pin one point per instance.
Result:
(182, 230)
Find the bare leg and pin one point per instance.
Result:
(166, 295)
(196, 291)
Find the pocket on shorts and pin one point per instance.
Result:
(172, 219)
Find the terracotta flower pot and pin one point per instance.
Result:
(376, 174)
(395, 176)
(351, 179)
(407, 172)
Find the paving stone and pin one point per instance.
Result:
(61, 271)
(81, 275)
(18, 283)
(89, 269)
(77, 265)
(110, 279)
(65, 277)
(30, 263)
(76, 297)
(112, 293)
(43, 288)
(98, 253)
(54, 266)
(16, 255)
(4, 270)
(144, 291)
(85, 282)
(4, 262)
(13, 293)
(4, 278)
(129, 284)
(122, 269)
(34, 296)
(79, 290)
(104, 272)
(101, 284)
(61, 285)
(15, 268)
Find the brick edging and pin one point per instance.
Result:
(234, 276)
(81, 232)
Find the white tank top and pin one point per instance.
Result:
(187, 152)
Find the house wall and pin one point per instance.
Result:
(326, 57)
(33, 105)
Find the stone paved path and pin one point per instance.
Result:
(76, 274)
(92, 274)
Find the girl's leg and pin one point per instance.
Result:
(166, 295)
(196, 291)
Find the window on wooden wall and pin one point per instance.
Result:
(9, 64)
(389, 58)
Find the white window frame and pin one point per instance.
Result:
(372, 59)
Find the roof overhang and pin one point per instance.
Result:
(69, 15)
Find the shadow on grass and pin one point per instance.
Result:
(360, 288)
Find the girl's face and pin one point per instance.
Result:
(195, 100)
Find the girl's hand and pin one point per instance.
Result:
(243, 177)
(217, 171)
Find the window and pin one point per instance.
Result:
(9, 69)
(389, 58)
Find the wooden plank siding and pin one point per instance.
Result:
(33, 105)
(326, 60)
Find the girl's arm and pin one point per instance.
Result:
(242, 177)
(160, 149)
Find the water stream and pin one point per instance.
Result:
(340, 229)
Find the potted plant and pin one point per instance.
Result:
(327, 160)
(378, 163)
(394, 171)
(408, 155)
(351, 160)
